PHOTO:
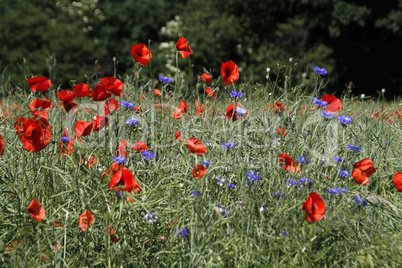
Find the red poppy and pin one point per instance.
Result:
(230, 115)
(183, 47)
(362, 171)
(34, 133)
(100, 93)
(99, 122)
(124, 178)
(177, 136)
(178, 113)
(86, 220)
(229, 72)
(200, 109)
(66, 95)
(122, 149)
(139, 147)
(81, 90)
(129, 199)
(141, 54)
(10, 247)
(195, 146)
(288, 163)
(183, 105)
(113, 236)
(180, 110)
(38, 104)
(334, 104)
(157, 92)
(112, 170)
(137, 109)
(112, 85)
(82, 128)
(397, 180)
(206, 78)
(315, 207)
(282, 131)
(66, 147)
(69, 106)
(210, 92)
(279, 107)
(1, 145)
(39, 83)
(199, 171)
(90, 161)
(111, 105)
(36, 210)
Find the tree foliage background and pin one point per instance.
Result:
(357, 41)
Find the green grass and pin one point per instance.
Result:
(348, 235)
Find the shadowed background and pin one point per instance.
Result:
(358, 42)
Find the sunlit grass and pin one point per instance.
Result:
(241, 226)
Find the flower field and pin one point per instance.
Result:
(198, 169)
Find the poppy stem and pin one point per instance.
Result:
(177, 71)
(191, 76)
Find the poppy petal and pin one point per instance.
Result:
(86, 220)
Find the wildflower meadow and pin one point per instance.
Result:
(189, 169)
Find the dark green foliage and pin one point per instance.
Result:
(354, 40)
(31, 36)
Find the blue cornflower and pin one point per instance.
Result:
(241, 111)
(182, 232)
(327, 115)
(206, 163)
(343, 173)
(220, 181)
(344, 191)
(291, 183)
(320, 71)
(303, 159)
(319, 102)
(345, 120)
(165, 79)
(228, 145)
(231, 185)
(280, 195)
(127, 104)
(150, 217)
(284, 233)
(147, 155)
(353, 148)
(194, 193)
(235, 94)
(358, 201)
(119, 159)
(132, 121)
(65, 139)
(225, 213)
(336, 191)
(118, 195)
(338, 159)
(253, 176)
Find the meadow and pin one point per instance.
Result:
(199, 169)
